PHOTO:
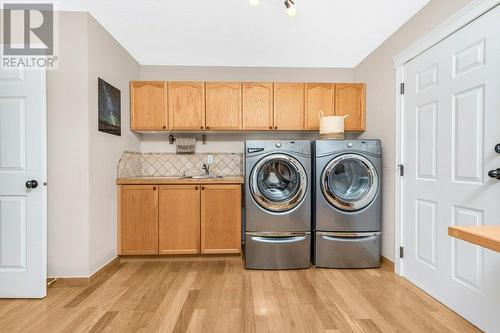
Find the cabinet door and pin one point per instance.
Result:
(350, 100)
(223, 109)
(318, 97)
(179, 219)
(289, 106)
(148, 106)
(186, 104)
(137, 219)
(221, 219)
(257, 106)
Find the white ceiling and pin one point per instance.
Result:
(325, 33)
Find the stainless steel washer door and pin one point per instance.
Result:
(278, 182)
(350, 182)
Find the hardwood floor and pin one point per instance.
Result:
(221, 296)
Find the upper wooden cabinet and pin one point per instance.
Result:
(350, 100)
(318, 97)
(179, 219)
(138, 219)
(223, 108)
(257, 106)
(186, 104)
(289, 106)
(251, 106)
(221, 219)
(148, 106)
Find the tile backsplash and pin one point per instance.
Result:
(133, 164)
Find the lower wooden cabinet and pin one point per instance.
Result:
(138, 219)
(179, 219)
(221, 219)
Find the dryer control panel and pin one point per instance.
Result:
(334, 146)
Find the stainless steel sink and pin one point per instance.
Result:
(206, 177)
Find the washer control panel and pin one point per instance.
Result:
(253, 147)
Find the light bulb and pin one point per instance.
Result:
(290, 8)
(254, 3)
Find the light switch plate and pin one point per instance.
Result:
(210, 159)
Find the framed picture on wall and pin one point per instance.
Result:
(109, 108)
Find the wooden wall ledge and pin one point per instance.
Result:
(487, 236)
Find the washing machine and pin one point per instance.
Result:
(277, 204)
(347, 203)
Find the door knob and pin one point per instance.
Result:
(31, 184)
(494, 173)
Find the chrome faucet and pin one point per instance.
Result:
(206, 168)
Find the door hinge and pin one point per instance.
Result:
(401, 252)
(402, 88)
(401, 170)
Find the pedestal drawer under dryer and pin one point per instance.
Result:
(347, 250)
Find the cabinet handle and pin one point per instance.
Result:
(275, 127)
(208, 127)
(203, 187)
(201, 127)
(164, 127)
(270, 127)
(154, 188)
(196, 188)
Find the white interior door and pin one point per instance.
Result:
(451, 125)
(23, 240)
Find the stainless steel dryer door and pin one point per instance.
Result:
(349, 182)
(278, 182)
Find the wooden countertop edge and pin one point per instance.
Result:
(487, 236)
(171, 181)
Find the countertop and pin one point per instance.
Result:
(177, 180)
(487, 236)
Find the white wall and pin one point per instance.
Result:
(377, 70)
(68, 152)
(217, 143)
(111, 62)
(82, 161)
(185, 73)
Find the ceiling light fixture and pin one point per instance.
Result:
(289, 4)
(290, 8)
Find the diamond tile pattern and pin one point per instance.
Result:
(134, 164)
(129, 165)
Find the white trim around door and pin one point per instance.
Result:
(465, 16)
(23, 176)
